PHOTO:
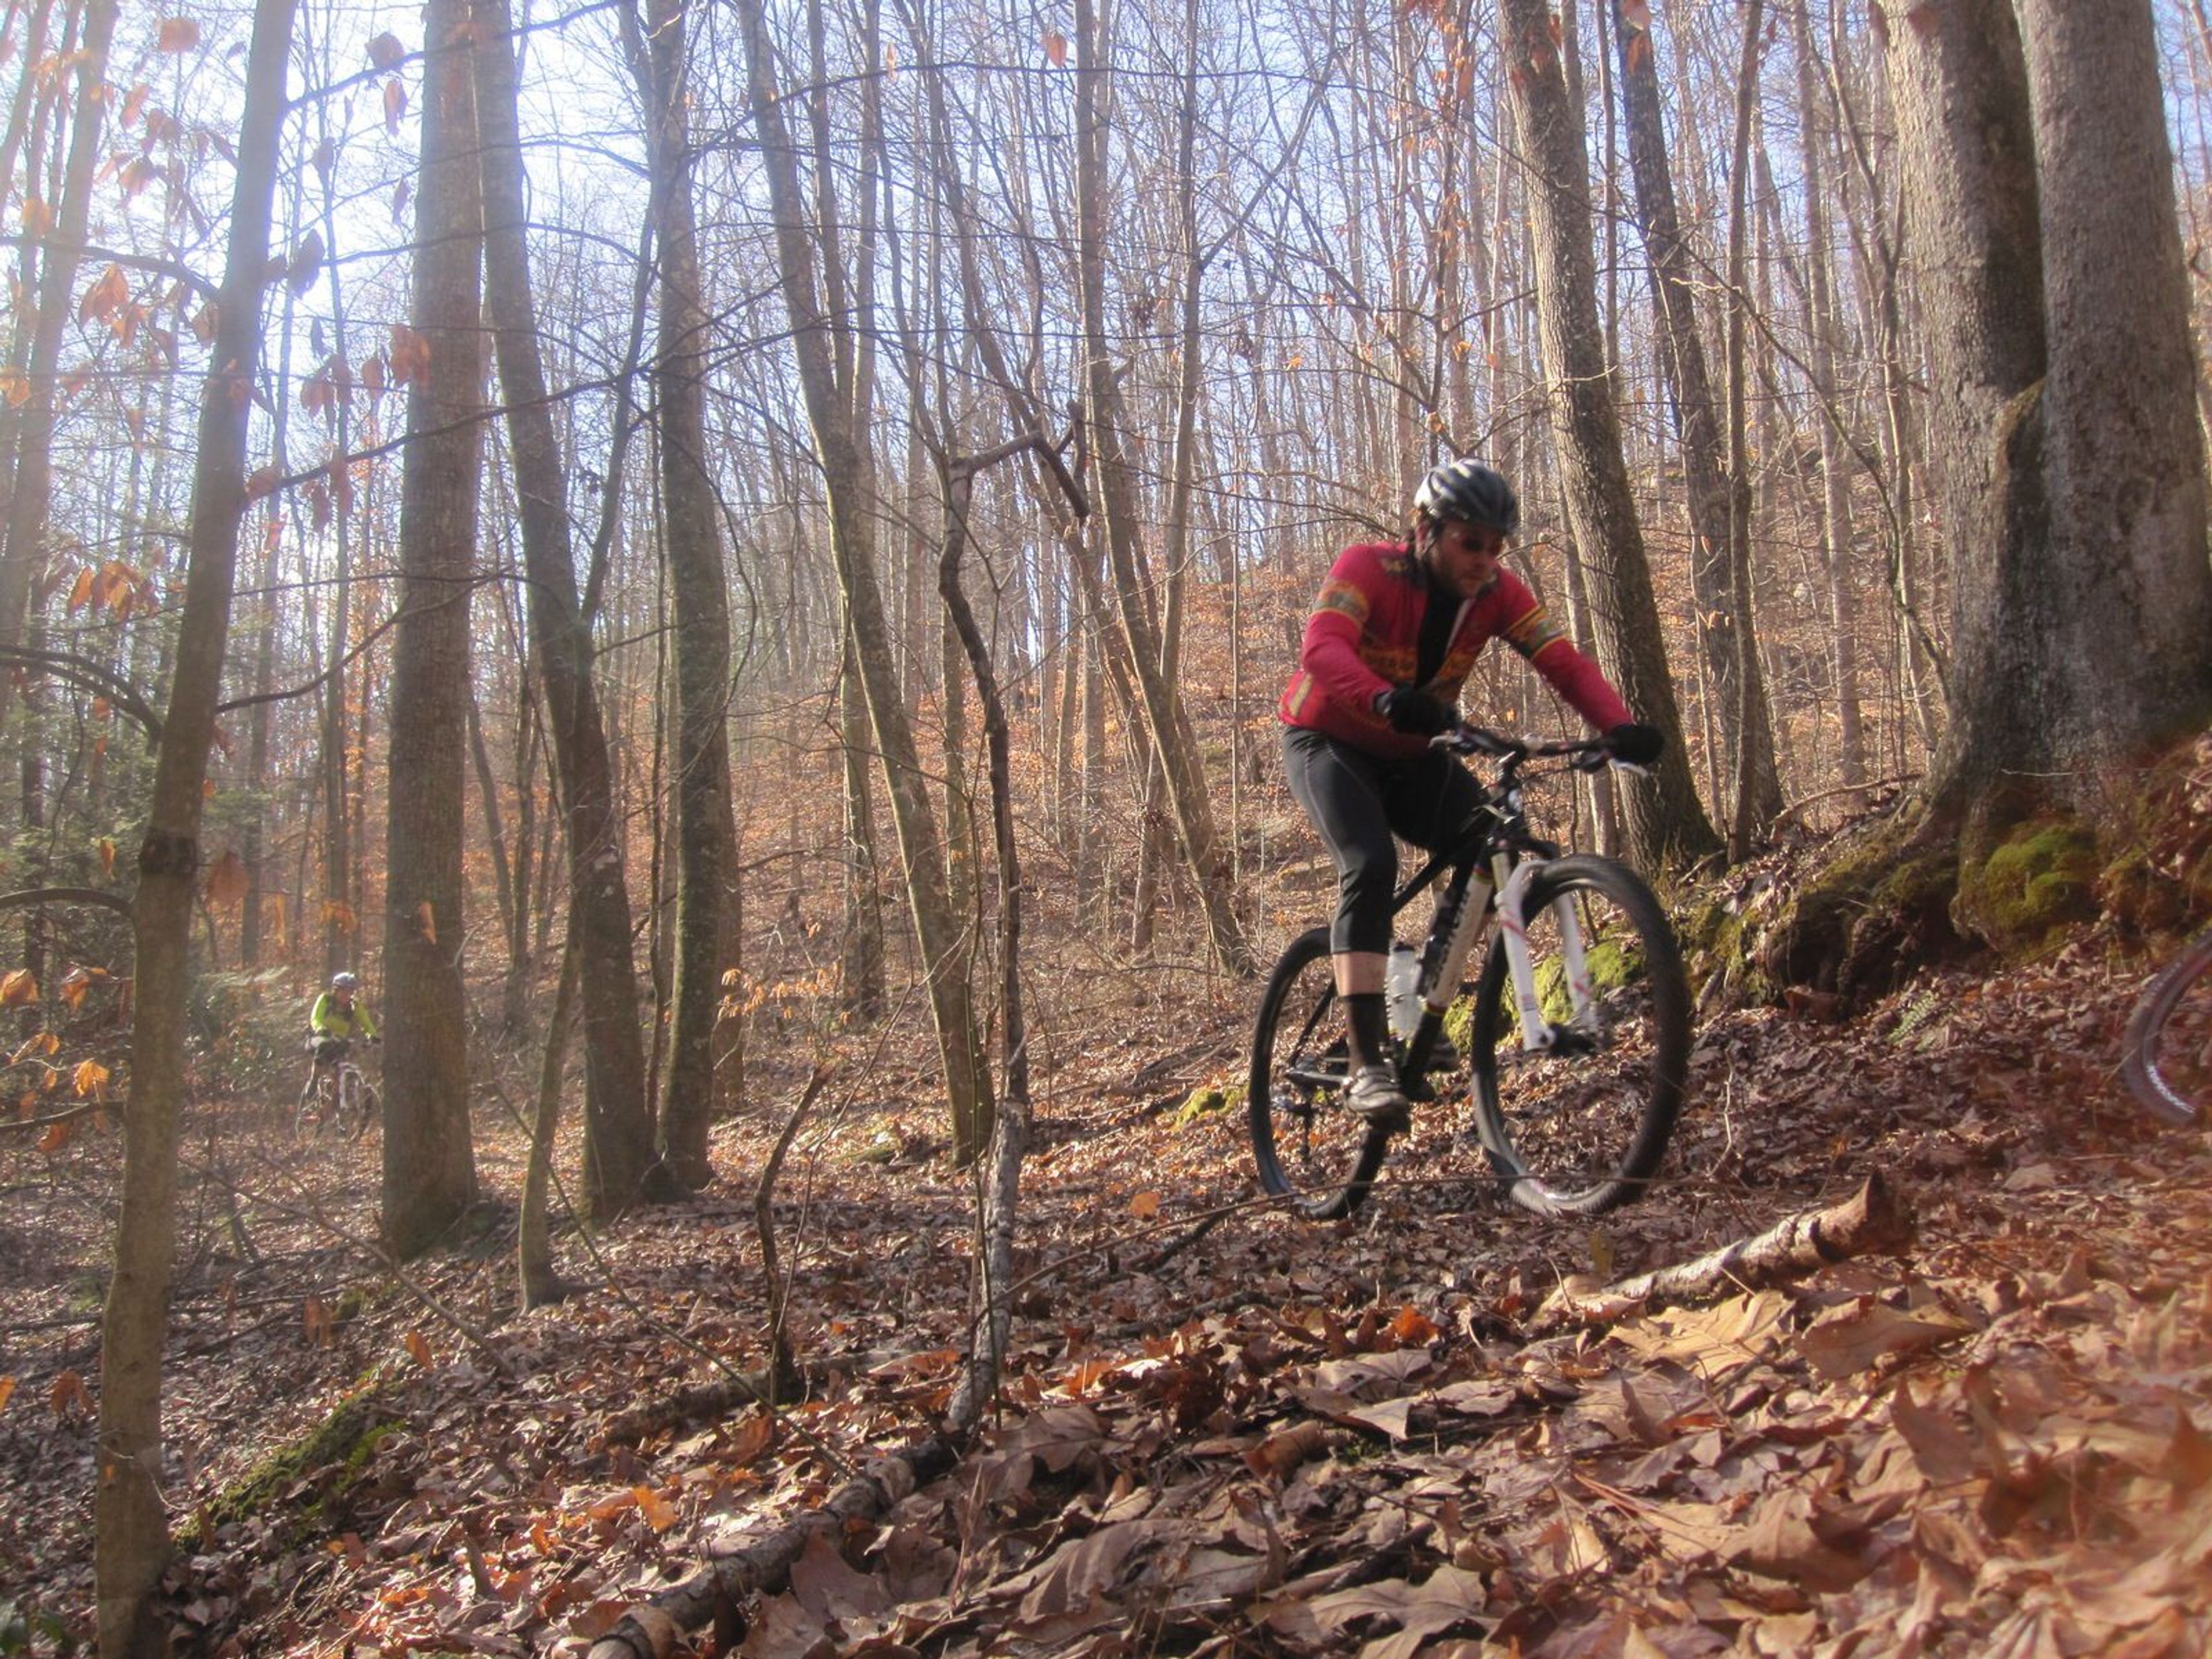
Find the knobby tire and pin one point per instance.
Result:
(2165, 1059)
(1309, 1148)
(1581, 1129)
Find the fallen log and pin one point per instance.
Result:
(761, 1568)
(1870, 1221)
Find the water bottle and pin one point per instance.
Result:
(1401, 990)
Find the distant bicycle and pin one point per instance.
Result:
(2165, 1059)
(1581, 1036)
(338, 1098)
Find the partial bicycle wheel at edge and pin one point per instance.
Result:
(1580, 1127)
(2166, 1057)
(1309, 1146)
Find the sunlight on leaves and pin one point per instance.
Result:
(89, 1077)
(18, 989)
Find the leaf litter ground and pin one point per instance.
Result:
(1284, 1438)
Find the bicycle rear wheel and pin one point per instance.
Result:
(1580, 1127)
(1309, 1147)
(2166, 1060)
(317, 1102)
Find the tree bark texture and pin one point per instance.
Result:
(618, 1115)
(1872, 1220)
(692, 550)
(130, 1516)
(2132, 593)
(1664, 824)
(429, 1164)
(1959, 88)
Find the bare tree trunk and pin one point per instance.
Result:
(852, 544)
(617, 1109)
(430, 1164)
(692, 546)
(23, 555)
(541, 1283)
(2133, 591)
(1181, 767)
(862, 980)
(1758, 786)
(130, 1517)
(1665, 825)
(1708, 482)
(1835, 483)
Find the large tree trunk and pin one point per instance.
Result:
(944, 949)
(1960, 90)
(692, 549)
(617, 1113)
(1665, 825)
(1182, 771)
(2132, 591)
(130, 1517)
(429, 1164)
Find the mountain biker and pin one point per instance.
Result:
(1392, 637)
(332, 1023)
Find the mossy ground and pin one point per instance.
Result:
(330, 1459)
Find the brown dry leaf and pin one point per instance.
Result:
(826, 1587)
(7, 1391)
(1145, 1206)
(1079, 1572)
(659, 1514)
(1845, 1346)
(18, 989)
(177, 34)
(1281, 1453)
(1710, 1339)
(418, 1346)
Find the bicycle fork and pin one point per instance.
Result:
(1459, 923)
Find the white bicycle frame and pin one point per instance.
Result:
(1537, 1033)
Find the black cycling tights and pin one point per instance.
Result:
(1356, 801)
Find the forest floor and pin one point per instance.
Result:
(1285, 1439)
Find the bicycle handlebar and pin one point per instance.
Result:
(1588, 755)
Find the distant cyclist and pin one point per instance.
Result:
(336, 1020)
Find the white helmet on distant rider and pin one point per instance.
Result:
(343, 981)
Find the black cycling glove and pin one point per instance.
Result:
(1414, 711)
(1636, 744)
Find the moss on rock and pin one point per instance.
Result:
(2022, 895)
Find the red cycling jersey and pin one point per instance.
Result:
(1363, 639)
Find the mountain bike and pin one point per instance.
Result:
(2165, 1059)
(338, 1098)
(1579, 1043)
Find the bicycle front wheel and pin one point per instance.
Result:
(1579, 1127)
(357, 1104)
(2166, 1060)
(1309, 1146)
